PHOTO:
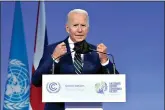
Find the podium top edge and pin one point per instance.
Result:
(84, 74)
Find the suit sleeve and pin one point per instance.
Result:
(108, 69)
(44, 67)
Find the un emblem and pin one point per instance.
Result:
(101, 87)
(17, 90)
(53, 87)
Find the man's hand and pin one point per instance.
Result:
(59, 50)
(102, 48)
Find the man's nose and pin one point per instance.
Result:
(79, 29)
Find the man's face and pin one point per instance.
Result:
(77, 27)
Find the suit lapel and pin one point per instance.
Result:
(86, 62)
(68, 58)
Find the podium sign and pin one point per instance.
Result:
(84, 88)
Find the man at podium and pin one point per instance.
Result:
(73, 55)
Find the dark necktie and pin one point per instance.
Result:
(78, 63)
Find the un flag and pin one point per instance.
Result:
(16, 96)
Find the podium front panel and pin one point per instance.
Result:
(84, 88)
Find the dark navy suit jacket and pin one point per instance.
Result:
(91, 62)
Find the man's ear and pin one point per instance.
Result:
(67, 28)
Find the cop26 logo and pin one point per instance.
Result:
(101, 87)
(53, 87)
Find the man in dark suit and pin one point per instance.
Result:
(76, 62)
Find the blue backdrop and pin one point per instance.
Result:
(132, 31)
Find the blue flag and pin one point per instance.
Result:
(17, 88)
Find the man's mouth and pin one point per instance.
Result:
(80, 35)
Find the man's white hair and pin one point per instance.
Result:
(81, 11)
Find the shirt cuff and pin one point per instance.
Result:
(55, 60)
(106, 63)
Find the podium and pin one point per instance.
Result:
(85, 91)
